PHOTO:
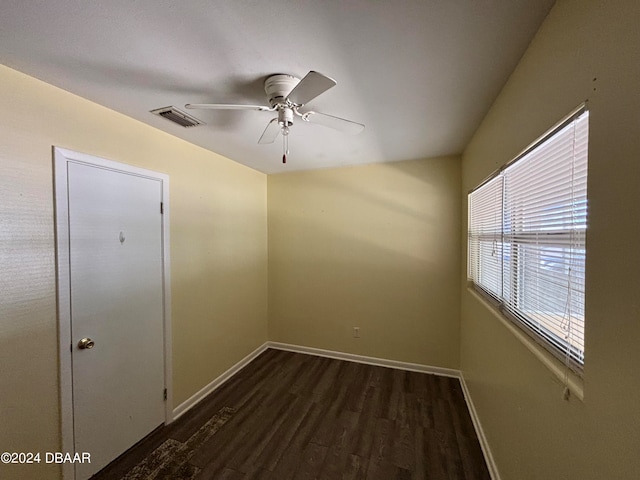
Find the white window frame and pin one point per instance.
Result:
(527, 239)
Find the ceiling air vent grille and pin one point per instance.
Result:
(177, 116)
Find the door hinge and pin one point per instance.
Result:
(165, 394)
(161, 208)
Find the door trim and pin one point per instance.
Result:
(61, 159)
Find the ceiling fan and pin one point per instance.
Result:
(286, 95)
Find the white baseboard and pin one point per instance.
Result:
(488, 457)
(379, 362)
(207, 389)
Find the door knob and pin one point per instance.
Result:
(85, 343)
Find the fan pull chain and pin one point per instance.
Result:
(285, 146)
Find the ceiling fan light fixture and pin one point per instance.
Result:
(285, 117)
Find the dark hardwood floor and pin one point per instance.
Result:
(293, 416)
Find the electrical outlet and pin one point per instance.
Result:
(356, 332)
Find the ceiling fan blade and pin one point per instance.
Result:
(337, 123)
(222, 106)
(271, 132)
(312, 85)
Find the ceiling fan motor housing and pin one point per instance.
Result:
(278, 87)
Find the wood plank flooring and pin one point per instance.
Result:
(293, 416)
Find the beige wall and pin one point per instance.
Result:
(585, 50)
(372, 246)
(218, 253)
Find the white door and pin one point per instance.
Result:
(116, 289)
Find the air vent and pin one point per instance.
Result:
(177, 116)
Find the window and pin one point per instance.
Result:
(527, 244)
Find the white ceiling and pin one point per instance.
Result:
(420, 74)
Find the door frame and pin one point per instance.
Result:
(61, 158)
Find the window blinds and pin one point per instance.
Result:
(527, 230)
(485, 237)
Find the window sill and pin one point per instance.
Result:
(574, 382)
